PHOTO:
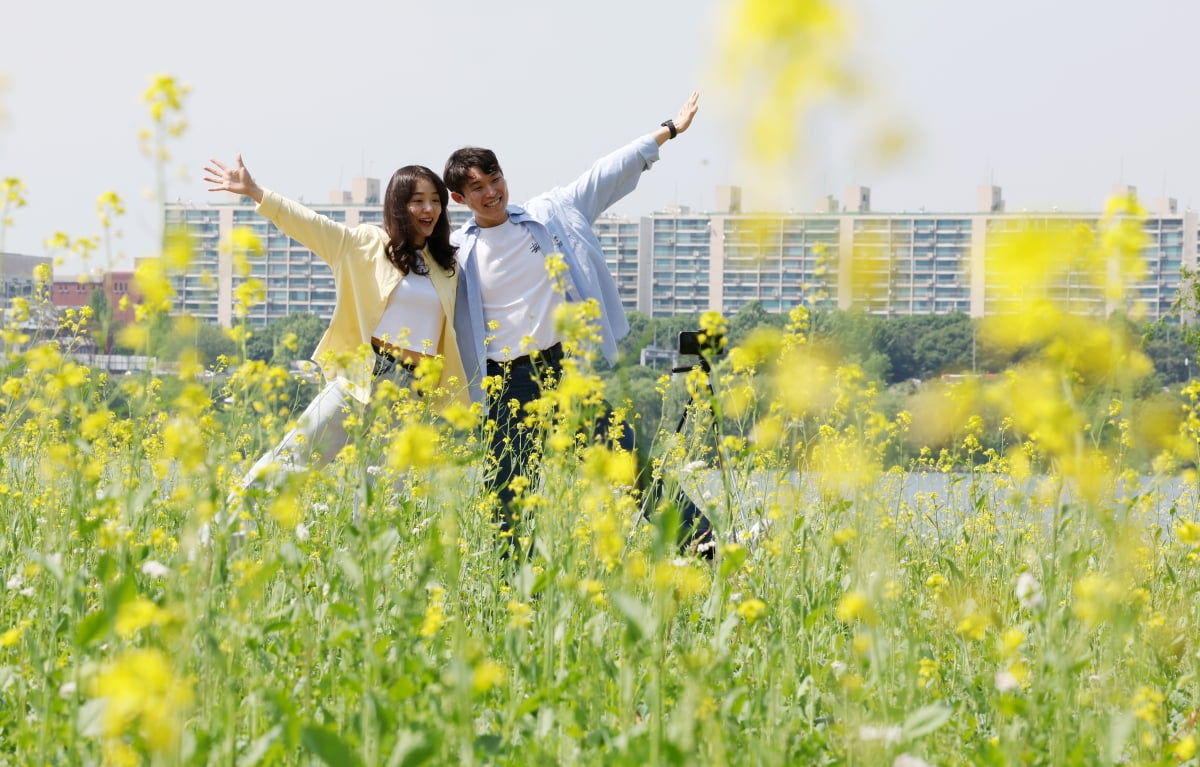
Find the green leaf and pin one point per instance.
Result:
(93, 625)
(412, 749)
(261, 747)
(328, 746)
(488, 744)
(351, 569)
(383, 545)
(90, 720)
(925, 720)
(96, 625)
(638, 619)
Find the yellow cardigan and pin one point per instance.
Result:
(364, 280)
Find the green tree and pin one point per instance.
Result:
(947, 346)
(172, 336)
(1168, 348)
(268, 344)
(102, 319)
(854, 337)
(751, 317)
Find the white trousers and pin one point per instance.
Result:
(320, 433)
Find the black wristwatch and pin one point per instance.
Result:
(670, 125)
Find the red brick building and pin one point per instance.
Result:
(74, 292)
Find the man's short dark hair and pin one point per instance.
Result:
(458, 167)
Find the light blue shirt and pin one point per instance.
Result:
(560, 221)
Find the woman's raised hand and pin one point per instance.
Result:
(236, 179)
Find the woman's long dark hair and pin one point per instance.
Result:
(397, 222)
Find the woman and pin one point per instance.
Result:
(395, 290)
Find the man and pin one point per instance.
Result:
(504, 316)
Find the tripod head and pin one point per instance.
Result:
(701, 344)
(702, 364)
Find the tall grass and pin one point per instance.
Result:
(366, 616)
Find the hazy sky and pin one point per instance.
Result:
(1053, 101)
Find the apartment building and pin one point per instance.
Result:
(677, 261)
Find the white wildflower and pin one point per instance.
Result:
(1029, 591)
(155, 569)
(1007, 682)
(889, 734)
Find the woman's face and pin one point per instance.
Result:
(424, 209)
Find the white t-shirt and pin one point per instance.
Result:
(518, 295)
(413, 318)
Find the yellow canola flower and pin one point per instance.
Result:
(973, 626)
(1185, 749)
(684, 578)
(862, 644)
(854, 606)
(1147, 705)
(520, 615)
(804, 382)
(607, 467)
(713, 330)
(137, 614)
(244, 240)
(751, 610)
(95, 424)
(793, 55)
(134, 336)
(414, 447)
(152, 284)
(1011, 641)
(179, 247)
(183, 442)
(486, 675)
(285, 509)
(10, 637)
(13, 191)
(435, 612)
(108, 205)
(577, 323)
(760, 346)
(462, 417)
(165, 93)
(1188, 533)
(247, 295)
(842, 465)
(142, 694)
(1096, 597)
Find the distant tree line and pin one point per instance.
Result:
(891, 351)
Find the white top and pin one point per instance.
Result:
(518, 297)
(413, 318)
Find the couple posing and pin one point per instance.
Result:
(480, 297)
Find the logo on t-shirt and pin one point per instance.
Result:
(534, 247)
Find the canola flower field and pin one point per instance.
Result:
(1042, 613)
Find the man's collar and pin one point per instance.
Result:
(515, 213)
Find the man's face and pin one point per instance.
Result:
(486, 195)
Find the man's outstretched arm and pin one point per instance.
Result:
(616, 174)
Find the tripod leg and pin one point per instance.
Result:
(694, 532)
